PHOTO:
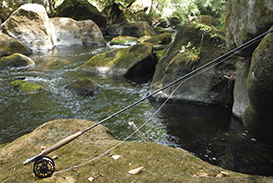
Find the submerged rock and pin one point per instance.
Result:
(137, 60)
(31, 25)
(84, 86)
(257, 117)
(16, 60)
(156, 158)
(194, 46)
(9, 45)
(26, 87)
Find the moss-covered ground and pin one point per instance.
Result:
(161, 163)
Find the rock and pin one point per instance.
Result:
(240, 91)
(246, 20)
(27, 87)
(16, 60)
(67, 31)
(31, 25)
(136, 29)
(193, 47)
(97, 141)
(159, 30)
(80, 10)
(70, 32)
(142, 16)
(124, 40)
(84, 86)
(208, 20)
(8, 7)
(10, 45)
(137, 60)
(116, 13)
(257, 118)
(163, 39)
(91, 34)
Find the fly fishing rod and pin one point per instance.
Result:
(44, 166)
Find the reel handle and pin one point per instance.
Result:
(54, 147)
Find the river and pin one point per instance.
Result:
(209, 132)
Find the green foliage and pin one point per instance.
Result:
(189, 9)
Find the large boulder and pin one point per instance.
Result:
(245, 20)
(97, 144)
(136, 29)
(137, 60)
(194, 46)
(31, 25)
(71, 32)
(16, 60)
(257, 117)
(10, 45)
(91, 33)
(81, 10)
(67, 31)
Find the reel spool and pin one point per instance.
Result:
(43, 167)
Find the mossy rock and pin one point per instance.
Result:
(257, 117)
(164, 39)
(123, 40)
(194, 46)
(177, 164)
(16, 60)
(84, 86)
(27, 87)
(159, 30)
(11, 45)
(245, 20)
(137, 60)
(80, 10)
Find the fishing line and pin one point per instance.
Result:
(186, 77)
(152, 116)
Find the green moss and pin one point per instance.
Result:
(123, 40)
(161, 163)
(120, 58)
(26, 87)
(262, 8)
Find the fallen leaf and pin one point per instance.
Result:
(136, 170)
(201, 174)
(223, 174)
(115, 157)
(42, 148)
(90, 179)
(54, 157)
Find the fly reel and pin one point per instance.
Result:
(43, 167)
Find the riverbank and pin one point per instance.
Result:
(161, 163)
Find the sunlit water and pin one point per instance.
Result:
(208, 132)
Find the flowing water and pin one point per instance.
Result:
(209, 132)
